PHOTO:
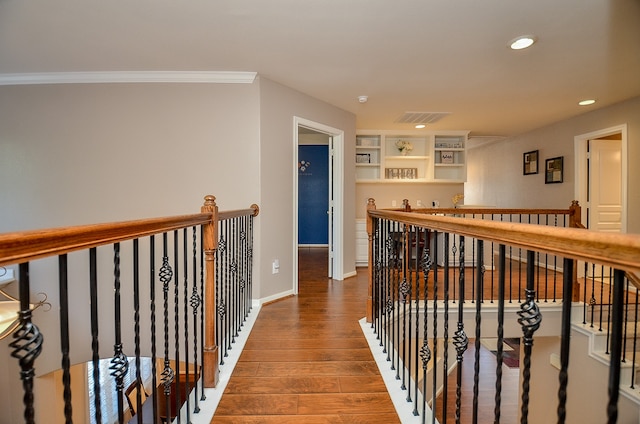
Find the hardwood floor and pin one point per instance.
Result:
(307, 360)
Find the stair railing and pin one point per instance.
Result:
(413, 275)
(167, 307)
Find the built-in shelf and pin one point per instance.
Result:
(430, 156)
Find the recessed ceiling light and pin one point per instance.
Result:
(522, 42)
(586, 102)
(420, 126)
(363, 99)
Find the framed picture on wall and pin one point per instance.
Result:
(553, 170)
(530, 162)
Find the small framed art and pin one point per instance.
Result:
(553, 170)
(530, 162)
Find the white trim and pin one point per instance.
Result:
(580, 152)
(351, 274)
(338, 194)
(214, 395)
(212, 77)
(257, 303)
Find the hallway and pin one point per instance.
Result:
(307, 360)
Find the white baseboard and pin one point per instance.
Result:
(277, 296)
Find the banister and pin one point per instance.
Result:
(621, 251)
(25, 246)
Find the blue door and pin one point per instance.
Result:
(313, 194)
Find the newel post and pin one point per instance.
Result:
(209, 244)
(371, 205)
(575, 221)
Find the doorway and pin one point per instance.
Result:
(601, 178)
(309, 133)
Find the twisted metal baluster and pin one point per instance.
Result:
(425, 351)
(119, 363)
(460, 339)
(445, 341)
(167, 376)
(530, 319)
(26, 344)
(403, 292)
(95, 353)
(203, 397)
(152, 298)
(64, 336)
(499, 354)
(176, 316)
(616, 345)
(185, 293)
(194, 302)
(417, 335)
(565, 339)
(435, 323)
(478, 301)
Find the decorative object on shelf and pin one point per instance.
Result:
(446, 157)
(363, 158)
(405, 147)
(530, 162)
(553, 170)
(457, 199)
(401, 173)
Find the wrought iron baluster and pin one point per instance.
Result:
(166, 274)
(445, 341)
(194, 302)
(26, 344)
(500, 318)
(152, 298)
(95, 357)
(185, 294)
(460, 340)
(203, 397)
(136, 317)
(616, 345)
(417, 335)
(530, 319)
(635, 340)
(64, 336)
(479, 292)
(403, 293)
(425, 350)
(176, 317)
(434, 388)
(565, 338)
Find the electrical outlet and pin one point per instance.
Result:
(419, 203)
(394, 204)
(275, 268)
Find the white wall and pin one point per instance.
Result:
(278, 106)
(495, 170)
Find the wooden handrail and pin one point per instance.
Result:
(254, 210)
(19, 247)
(620, 251)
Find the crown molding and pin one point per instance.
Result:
(212, 77)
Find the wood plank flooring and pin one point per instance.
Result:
(306, 359)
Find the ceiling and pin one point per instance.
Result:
(440, 56)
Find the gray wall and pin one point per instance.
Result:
(495, 170)
(86, 153)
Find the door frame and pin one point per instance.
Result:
(337, 182)
(581, 172)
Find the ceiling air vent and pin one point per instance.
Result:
(421, 117)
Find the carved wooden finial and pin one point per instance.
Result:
(371, 203)
(210, 200)
(574, 203)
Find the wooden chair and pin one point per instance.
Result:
(132, 393)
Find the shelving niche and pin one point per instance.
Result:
(433, 157)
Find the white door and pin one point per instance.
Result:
(605, 185)
(604, 191)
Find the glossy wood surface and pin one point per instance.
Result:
(306, 360)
